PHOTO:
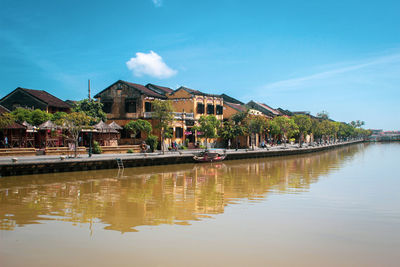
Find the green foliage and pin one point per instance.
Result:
(238, 118)
(91, 108)
(357, 123)
(303, 122)
(58, 116)
(323, 115)
(96, 148)
(129, 151)
(286, 125)
(152, 141)
(5, 120)
(227, 130)
(34, 117)
(139, 125)
(162, 112)
(256, 124)
(208, 126)
(74, 122)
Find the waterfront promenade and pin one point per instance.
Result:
(50, 163)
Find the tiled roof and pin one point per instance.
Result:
(143, 89)
(238, 107)
(46, 97)
(195, 92)
(3, 110)
(273, 111)
(115, 126)
(48, 125)
(163, 89)
(15, 125)
(230, 99)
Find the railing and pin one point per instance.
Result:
(148, 115)
(183, 115)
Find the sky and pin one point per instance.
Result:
(342, 57)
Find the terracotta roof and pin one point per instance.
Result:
(163, 89)
(143, 89)
(195, 92)
(238, 107)
(273, 111)
(15, 125)
(3, 110)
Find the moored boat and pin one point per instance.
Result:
(210, 155)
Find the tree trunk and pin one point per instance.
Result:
(76, 144)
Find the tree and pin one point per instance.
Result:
(357, 123)
(135, 127)
(34, 117)
(6, 119)
(227, 130)
(287, 126)
(323, 115)
(74, 123)
(230, 130)
(162, 112)
(58, 116)
(304, 124)
(91, 108)
(256, 125)
(208, 127)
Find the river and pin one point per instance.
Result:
(338, 207)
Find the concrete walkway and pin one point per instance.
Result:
(84, 157)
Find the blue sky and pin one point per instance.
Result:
(338, 56)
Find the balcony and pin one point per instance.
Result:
(181, 115)
(148, 115)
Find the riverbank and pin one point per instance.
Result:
(48, 164)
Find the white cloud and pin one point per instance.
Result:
(157, 3)
(150, 64)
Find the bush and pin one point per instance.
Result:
(202, 147)
(129, 151)
(152, 141)
(96, 148)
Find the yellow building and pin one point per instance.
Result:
(189, 105)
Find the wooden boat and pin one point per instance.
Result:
(210, 156)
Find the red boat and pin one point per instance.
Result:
(210, 156)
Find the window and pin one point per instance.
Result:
(130, 106)
(107, 106)
(178, 132)
(200, 108)
(210, 109)
(219, 110)
(147, 107)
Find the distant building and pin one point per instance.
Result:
(34, 99)
(265, 109)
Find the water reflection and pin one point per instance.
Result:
(175, 194)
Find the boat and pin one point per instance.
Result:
(210, 155)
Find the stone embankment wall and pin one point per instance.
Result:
(84, 164)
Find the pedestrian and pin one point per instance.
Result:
(5, 141)
(229, 144)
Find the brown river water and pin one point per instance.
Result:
(335, 208)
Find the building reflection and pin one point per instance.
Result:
(176, 194)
